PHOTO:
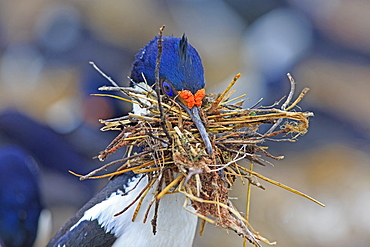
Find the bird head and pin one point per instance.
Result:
(181, 75)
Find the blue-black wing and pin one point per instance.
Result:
(90, 232)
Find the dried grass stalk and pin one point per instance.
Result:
(178, 163)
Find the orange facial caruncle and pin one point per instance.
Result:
(191, 99)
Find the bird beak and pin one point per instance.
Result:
(195, 117)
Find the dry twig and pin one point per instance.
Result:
(175, 161)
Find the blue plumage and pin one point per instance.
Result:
(181, 76)
(180, 64)
(20, 204)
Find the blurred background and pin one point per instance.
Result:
(48, 115)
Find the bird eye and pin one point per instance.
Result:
(167, 89)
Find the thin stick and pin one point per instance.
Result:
(227, 102)
(142, 198)
(113, 163)
(236, 159)
(300, 97)
(114, 173)
(281, 185)
(256, 104)
(249, 188)
(159, 55)
(291, 92)
(219, 99)
(168, 187)
(103, 74)
(116, 97)
(155, 217)
(133, 202)
(202, 225)
(157, 83)
(283, 107)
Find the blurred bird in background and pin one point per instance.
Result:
(20, 199)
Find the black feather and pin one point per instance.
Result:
(184, 48)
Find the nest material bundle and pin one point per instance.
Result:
(173, 155)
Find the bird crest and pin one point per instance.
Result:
(183, 46)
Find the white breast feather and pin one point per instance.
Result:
(142, 87)
(175, 225)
